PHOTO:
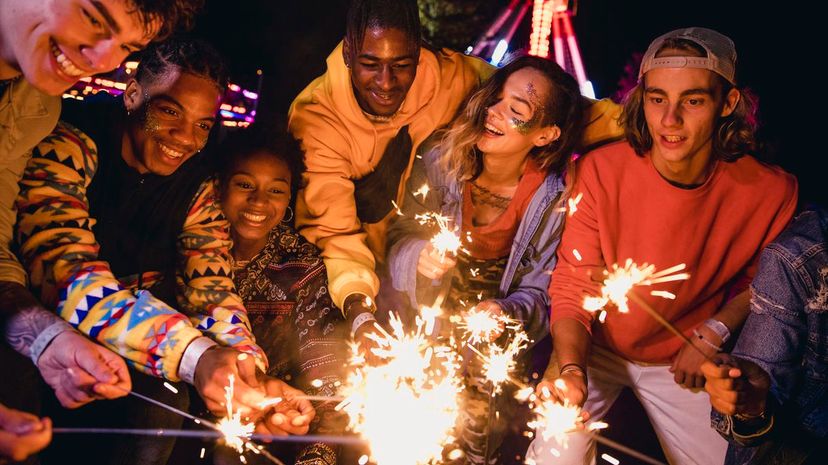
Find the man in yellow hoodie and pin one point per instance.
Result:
(360, 124)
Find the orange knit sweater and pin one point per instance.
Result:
(629, 211)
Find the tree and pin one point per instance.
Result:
(456, 24)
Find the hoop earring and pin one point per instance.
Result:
(290, 218)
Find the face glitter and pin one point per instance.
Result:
(524, 127)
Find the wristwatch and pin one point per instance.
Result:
(718, 327)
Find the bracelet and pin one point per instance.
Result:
(567, 367)
(709, 344)
(719, 328)
(360, 320)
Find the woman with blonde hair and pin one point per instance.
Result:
(498, 172)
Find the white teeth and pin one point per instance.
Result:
(170, 152)
(673, 138)
(254, 218)
(66, 65)
(492, 129)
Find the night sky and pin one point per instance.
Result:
(290, 40)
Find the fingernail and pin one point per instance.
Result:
(277, 419)
(242, 357)
(25, 428)
(298, 421)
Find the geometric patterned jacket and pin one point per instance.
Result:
(59, 251)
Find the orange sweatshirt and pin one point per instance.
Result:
(629, 211)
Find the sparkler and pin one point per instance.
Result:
(446, 241)
(418, 383)
(620, 281)
(234, 430)
(618, 287)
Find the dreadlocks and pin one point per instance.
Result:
(385, 14)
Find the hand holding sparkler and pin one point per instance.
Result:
(22, 434)
(686, 366)
(736, 386)
(569, 387)
(292, 415)
(360, 315)
(81, 371)
(433, 263)
(211, 374)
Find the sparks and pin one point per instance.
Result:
(573, 203)
(397, 208)
(423, 190)
(621, 280)
(418, 381)
(234, 430)
(170, 387)
(482, 326)
(446, 241)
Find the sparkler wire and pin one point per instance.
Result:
(209, 434)
(627, 450)
(633, 296)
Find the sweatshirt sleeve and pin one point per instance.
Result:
(580, 260)
(326, 212)
(204, 276)
(60, 252)
(406, 236)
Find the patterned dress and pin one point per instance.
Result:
(285, 290)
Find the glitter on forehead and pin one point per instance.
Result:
(524, 127)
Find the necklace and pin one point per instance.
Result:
(481, 195)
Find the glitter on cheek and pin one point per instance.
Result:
(523, 127)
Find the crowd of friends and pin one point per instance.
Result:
(137, 252)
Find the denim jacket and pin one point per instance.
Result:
(523, 287)
(786, 334)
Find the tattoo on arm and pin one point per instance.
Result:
(25, 317)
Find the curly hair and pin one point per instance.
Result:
(277, 143)
(189, 55)
(173, 15)
(733, 135)
(385, 14)
(563, 107)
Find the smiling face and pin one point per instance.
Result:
(54, 43)
(513, 122)
(171, 118)
(681, 107)
(255, 198)
(382, 70)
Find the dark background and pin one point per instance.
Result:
(290, 40)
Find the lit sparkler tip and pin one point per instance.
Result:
(423, 190)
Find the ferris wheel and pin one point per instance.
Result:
(551, 24)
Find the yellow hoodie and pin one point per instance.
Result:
(341, 145)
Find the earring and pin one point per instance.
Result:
(288, 219)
